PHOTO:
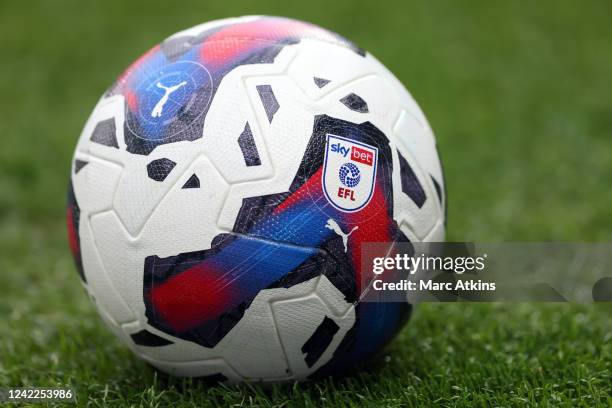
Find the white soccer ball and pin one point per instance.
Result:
(222, 190)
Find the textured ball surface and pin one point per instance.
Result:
(222, 190)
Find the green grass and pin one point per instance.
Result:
(519, 96)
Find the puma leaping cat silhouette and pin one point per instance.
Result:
(333, 225)
(159, 106)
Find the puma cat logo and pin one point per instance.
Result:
(333, 225)
(159, 106)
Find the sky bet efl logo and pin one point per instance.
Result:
(349, 173)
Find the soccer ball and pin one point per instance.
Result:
(223, 188)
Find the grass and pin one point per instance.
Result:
(519, 96)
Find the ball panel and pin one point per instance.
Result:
(297, 334)
(95, 184)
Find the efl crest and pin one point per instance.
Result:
(349, 173)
